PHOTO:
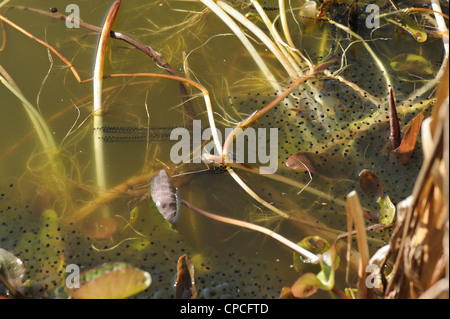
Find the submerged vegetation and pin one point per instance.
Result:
(92, 204)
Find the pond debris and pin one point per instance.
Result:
(165, 197)
(46, 251)
(370, 184)
(394, 124)
(408, 143)
(185, 284)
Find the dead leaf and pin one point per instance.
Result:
(185, 286)
(408, 143)
(370, 184)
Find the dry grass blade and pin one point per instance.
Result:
(355, 213)
(420, 237)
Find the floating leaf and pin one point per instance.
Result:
(370, 184)
(409, 140)
(412, 28)
(387, 210)
(412, 64)
(111, 281)
(305, 286)
(185, 285)
(164, 196)
(327, 165)
(12, 270)
(314, 244)
(329, 262)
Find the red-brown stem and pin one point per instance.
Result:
(260, 113)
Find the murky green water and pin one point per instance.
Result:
(325, 117)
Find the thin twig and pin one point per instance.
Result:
(28, 34)
(312, 257)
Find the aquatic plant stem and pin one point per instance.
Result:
(4, 2)
(445, 39)
(291, 68)
(290, 44)
(155, 56)
(28, 34)
(270, 106)
(305, 253)
(129, 187)
(205, 94)
(378, 62)
(39, 124)
(98, 110)
(217, 160)
(244, 40)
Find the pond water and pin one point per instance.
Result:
(342, 122)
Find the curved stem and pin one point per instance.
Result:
(97, 96)
(305, 253)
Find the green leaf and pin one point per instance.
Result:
(411, 64)
(111, 281)
(412, 28)
(305, 286)
(329, 263)
(351, 292)
(387, 211)
(314, 244)
(163, 198)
